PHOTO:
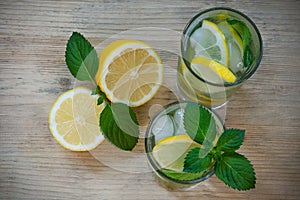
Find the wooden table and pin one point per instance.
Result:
(33, 36)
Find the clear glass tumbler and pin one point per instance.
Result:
(166, 123)
(194, 83)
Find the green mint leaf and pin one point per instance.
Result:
(182, 176)
(199, 123)
(100, 100)
(81, 58)
(193, 163)
(242, 30)
(231, 140)
(246, 36)
(248, 57)
(97, 90)
(119, 125)
(236, 171)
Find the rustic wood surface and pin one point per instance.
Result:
(33, 36)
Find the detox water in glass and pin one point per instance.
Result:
(240, 52)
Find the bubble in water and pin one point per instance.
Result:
(240, 65)
(163, 128)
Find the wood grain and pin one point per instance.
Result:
(33, 35)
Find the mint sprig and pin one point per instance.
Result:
(118, 121)
(232, 168)
(102, 96)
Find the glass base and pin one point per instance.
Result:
(184, 97)
(177, 186)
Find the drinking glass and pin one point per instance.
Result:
(193, 86)
(166, 123)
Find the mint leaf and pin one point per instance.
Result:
(100, 100)
(236, 171)
(182, 176)
(247, 57)
(97, 90)
(246, 36)
(81, 58)
(231, 140)
(242, 30)
(199, 123)
(119, 125)
(193, 163)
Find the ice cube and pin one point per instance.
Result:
(163, 128)
(197, 41)
(178, 122)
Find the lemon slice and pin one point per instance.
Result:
(212, 71)
(209, 41)
(171, 151)
(221, 16)
(235, 46)
(130, 72)
(74, 120)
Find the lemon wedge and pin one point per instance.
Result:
(212, 71)
(209, 41)
(130, 72)
(171, 151)
(74, 120)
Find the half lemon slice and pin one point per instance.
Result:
(209, 41)
(130, 72)
(171, 151)
(212, 71)
(74, 120)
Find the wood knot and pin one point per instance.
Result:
(65, 83)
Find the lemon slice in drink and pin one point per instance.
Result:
(209, 41)
(130, 72)
(221, 16)
(235, 46)
(212, 71)
(74, 120)
(171, 151)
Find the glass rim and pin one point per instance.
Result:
(226, 84)
(148, 151)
